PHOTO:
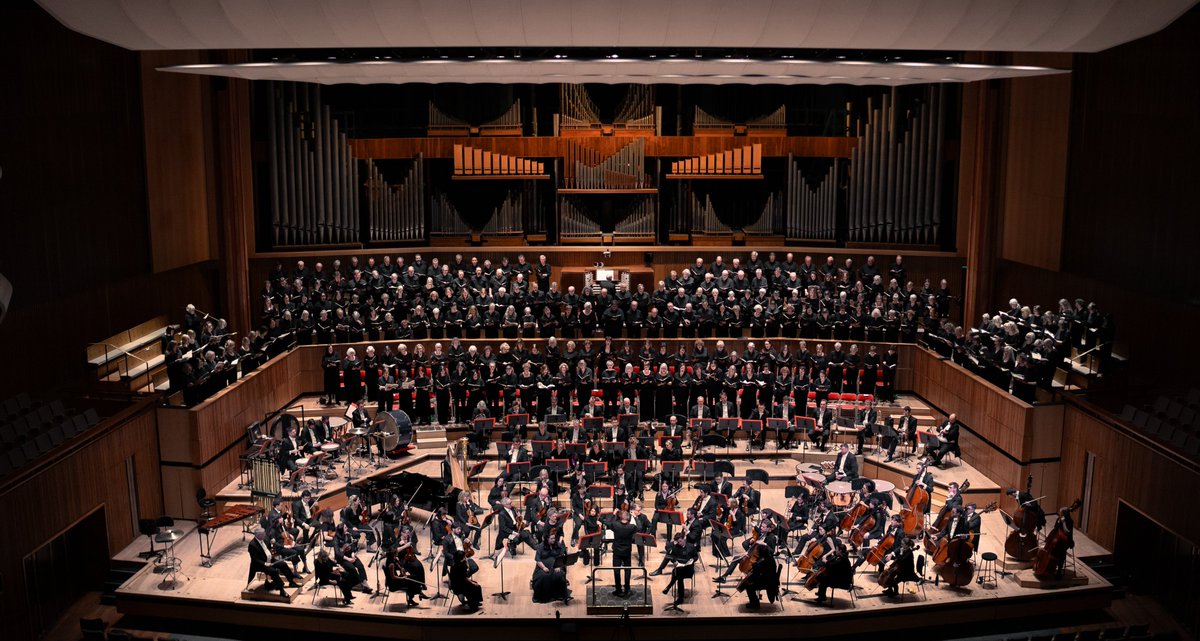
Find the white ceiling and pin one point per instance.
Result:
(951, 25)
(677, 71)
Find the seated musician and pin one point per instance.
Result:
(673, 428)
(878, 513)
(762, 536)
(902, 556)
(763, 575)
(870, 417)
(639, 519)
(549, 573)
(576, 434)
(330, 573)
(464, 510)
(352, 517)
(670, 453)
(721, 485)
(906, 430)
(284, 544)
(760, 413)
(305, 513)
(346, 555)
(751, 496)
(290, 449)
(511, 531)
(947, 434)
(314, 436)
(405, 572)
(498, 491)
(724, 409)
(545, 482)
(459, 567)
(838, 572)
(786, 410)
(894, 528)
(263, 560)
(845, 466)
(543, 433)
(579, 505)
(821, 534)
(1058, 555)
(819, 433)
(683, 556)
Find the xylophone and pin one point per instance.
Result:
(231, 515)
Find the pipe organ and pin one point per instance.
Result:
(474, 163)
(706, 222)
(896, 172)
(396, 212)
(772, 124)
(811, 214)
(443, 124)
(640, 223)
(573, 224)
(587, 169)
(743, 162)
(314, 181)
(580, 115)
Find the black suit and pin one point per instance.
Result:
(824, 421)
(622, 549)
(949, 431)
(700, 411)
(848, 463)
(260, 561)
(906, 430)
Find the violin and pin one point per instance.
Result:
(1054, 551)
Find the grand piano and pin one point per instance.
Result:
(430, 493)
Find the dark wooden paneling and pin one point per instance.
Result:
(1135, 155)
(1128, 468)
(175, 116)
(82, 477)
(1036, 123)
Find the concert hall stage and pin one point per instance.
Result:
(211, 597)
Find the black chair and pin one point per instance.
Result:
(148, 528)
(205, 502)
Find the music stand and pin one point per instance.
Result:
(719, 531)
(555, 419)
(594, 469)
(806, 425)
(760, 475)
(483, 430)
(592, 424)
(577, 450)
(729, 426)
(928, 439)
(514, 422)
(672, 518)
(1008, 523)
(702, 424)
(598, 492)
(542, 448)
(780, 425)
(593, 541)
(678, 441)
(706, 469)
(628, 422)
(518, 471)
(753, 428)
(673, 468)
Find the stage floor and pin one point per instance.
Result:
(214, 594)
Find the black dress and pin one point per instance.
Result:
(552, 585)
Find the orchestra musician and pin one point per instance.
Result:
(947, 434)
(405, 573)
(511, 531)
(682, 555)
(549, 572)
(352, 517)
(290, 449)
(906, 430)
(465, 511)
(903, 557)
(845, 466)
(763, 575)
(819, 433)
(870, 417)
(786, 410)
(263, 560)
(638, 518)
(331, 573)
(460, 568)
(837, 571)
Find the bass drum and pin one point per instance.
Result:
(281, 424)
(395, 429)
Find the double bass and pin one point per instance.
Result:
(915, 501)
(943, 516)
(952, 560)
(1054, 551)
(1021, 543)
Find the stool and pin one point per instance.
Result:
(987, 568)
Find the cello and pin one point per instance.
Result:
(1021, 543)
(860, 532)
(810, 555)
(1053, 553)
(915, 502)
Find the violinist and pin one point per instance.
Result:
(511, 531)
(304, 511)
(330, 573)
(498, 491)
(284, 544)
(460, 568)
(591, 527)
(466, 515)
(683, 556)
(352, 567)
(670, 453)
(353, 518)
(748, 497)
(720, 485)
(405, 573)
(537, 508)
(579, 507)
(665, 501)
(638, 518)
(549, 571)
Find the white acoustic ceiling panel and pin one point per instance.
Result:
(943, 25)
(678, 71)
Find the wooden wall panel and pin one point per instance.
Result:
(80, 478)
(175, 120)
(1129, 468)
(1035, 157)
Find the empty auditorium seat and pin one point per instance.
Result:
(1140, 418)
(91, 416)
(1127, 413)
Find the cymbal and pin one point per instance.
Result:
(358, 431)
(168, 536)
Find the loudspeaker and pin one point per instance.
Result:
(648, 257)
(6, 292)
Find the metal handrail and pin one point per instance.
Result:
(149, 380)
(613, 568)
